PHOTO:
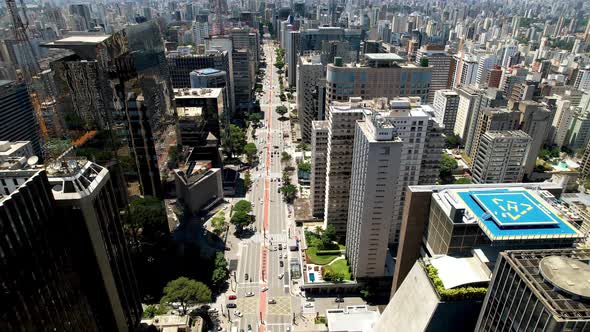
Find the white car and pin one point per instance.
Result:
(237, 313)
(249, 294)
(263, 289)
(308, 305)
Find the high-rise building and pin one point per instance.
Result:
(66, 262)
(310, 88)
(421, 140)
(456, 220)
(578, 134)
(492, 119)
(469, 104)
(376, 163)
(485, 63)
(538, 290)
(500, 157)
(380, 75)
(561, 122)
(582, 79)
(440, 62)
(243, 92)
(208, 103)
(446, 104)
(341, 117)
(81, 19)
(319, 154)
(535, 120)
(181, 66)
(17, 117)
(292, 56)
(465, 70)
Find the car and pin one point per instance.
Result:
(309, 299)
(264, 289)
(281, 275)
(231, 305)
(249, 294)
(281, 263)
(272, 301)
(246, 276)
(237, 313)
(249, 328)
(232, 297)
(339, 300)
(280, 246)
(308, 305)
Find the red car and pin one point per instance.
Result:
(232, 297)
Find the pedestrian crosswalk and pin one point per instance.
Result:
(274, 238)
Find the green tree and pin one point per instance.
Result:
(221, 273)
(424, 62)
(281, 110)
(303, 147)
(250, 150)
(285, 157)
(173, 153)
(154, 310)
(187, 292)
(452, 141)
(304, 167)
(241, 219)
(255, 118)
(289, 192)
(247, 180)
(463, 181)
(447, 165)
(146, 221)
(234, 140)
(218, 223)
(243, 206)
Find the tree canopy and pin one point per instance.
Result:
(304, 167)
(281, 110)
(218, 223)
(234, 140)
(146, 220)
(243, 206)
(221, 272)
(250, 150)
(447, 165)
(186, 292)
(289, 192)
(285, 156)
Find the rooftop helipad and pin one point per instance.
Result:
(516, 213)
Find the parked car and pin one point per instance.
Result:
(232, 297)
(249, 294)
(231, 305)
(272, 301)
(281, 263)
(237, 313)
(339, 300)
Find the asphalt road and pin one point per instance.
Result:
(258, 258)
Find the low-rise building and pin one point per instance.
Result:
(352, 319)
(198, 186)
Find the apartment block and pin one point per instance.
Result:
(561, 122)
(375, 171)
(379, 75)
(493, 119)
(500, 157)
(535, 120)
(319, 158)
(446, 104)
(440, 61)
(310, 87)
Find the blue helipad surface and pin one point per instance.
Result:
(515, 209)
(515, 214)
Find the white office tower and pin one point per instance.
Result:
(484, 64)
(375, 170)
(446, 103)
(582, 80)
(561, 122)
(465, 70)
(469, 103)
(509, 51)
(200, 31)
(501, 157)
(319, 153)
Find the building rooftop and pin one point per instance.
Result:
(197, 93)
(559, 277)
(384, 57)
(189, 111)
(74, 178)
(460, 271)
(353, 318)
(512, 213)
(207, 71)
(79, 40)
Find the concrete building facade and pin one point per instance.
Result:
(310, 84)
(319, 158)
(446, 104)
(500, 157)
(493, 119)
(375, 171)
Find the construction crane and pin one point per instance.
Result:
(29, 67)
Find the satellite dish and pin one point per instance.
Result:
(33, 160)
